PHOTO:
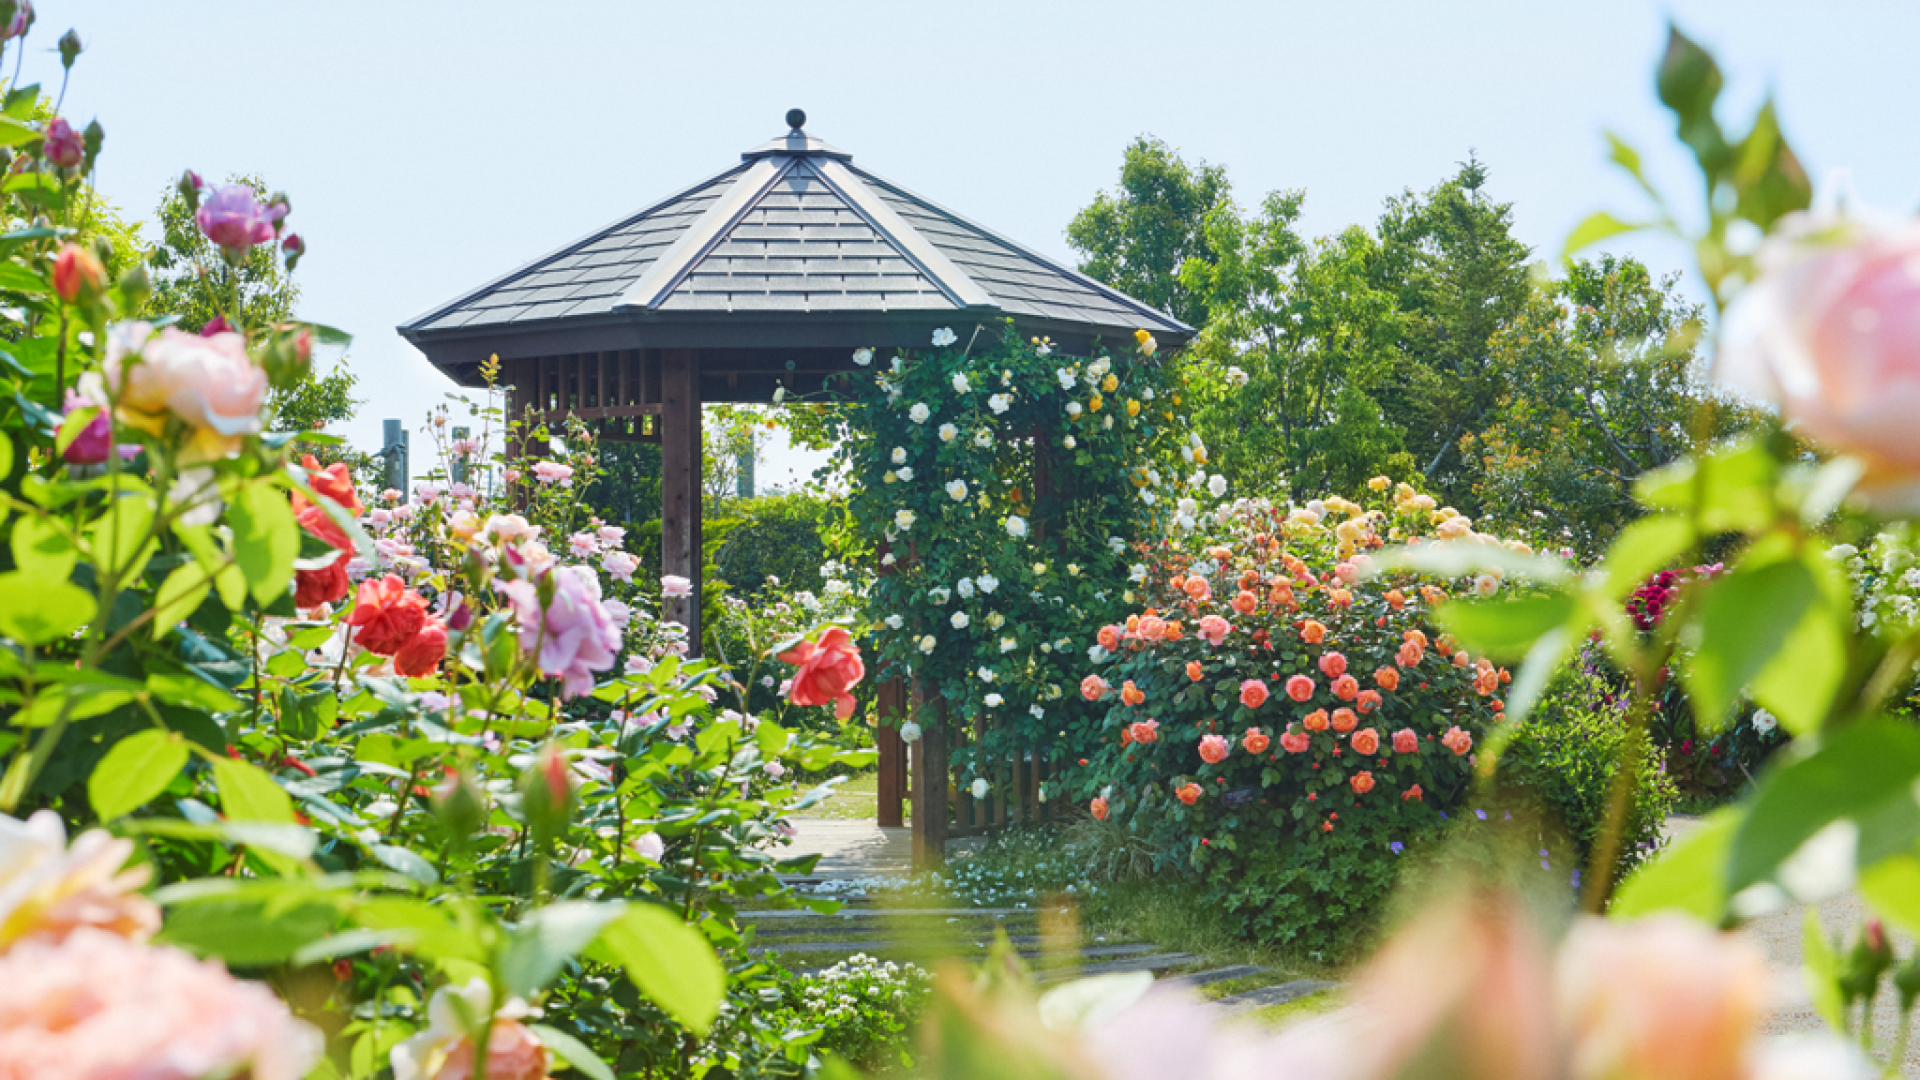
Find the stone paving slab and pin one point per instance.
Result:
(1270, 995)
(1203, 978)
(1025, 944)
(1155, 962)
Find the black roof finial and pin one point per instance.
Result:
(796, 119)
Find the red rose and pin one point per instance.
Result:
(422, 653)
(388, 614)
(333, 483)
(828, 669)
(327, 585)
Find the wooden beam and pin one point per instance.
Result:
(680, 484)
(930, 782)
(893, 752)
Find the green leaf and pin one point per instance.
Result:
(1643, 549)
(1598, 226)
(249, 931)
(135, 771)
(1689, 83)
(546, 940)
(1743, 619)
(1505, 629)
(291, 841)
(1771, 181)
(572, 1051)
(1690, 876)
(669, 961)
(1892, 886)
(15, 133)
(180, 688)
(41, 547)
(1800, 684)
(15, 276)
(1864, 771)
(247, 793)
(177, 597)
(403, 861)
(120, 541)
(1536, 671)
(42, 609)
(421, 928)
(1822, 972)
(265, 538)
(1733, 484)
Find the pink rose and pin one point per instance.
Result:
(1295, 742)
(552, 472)
(1214, 749)
(1214, 629)
(1299, 688)
(209, 383)
(675, 585)
(234, 219)
(574, 634)
(829, 669)
(1405, 741)
(63, 145)
(1253, 693)
(1830, 330)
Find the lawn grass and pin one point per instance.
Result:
(857, 798)
(1165, 912)
(1298, 1009)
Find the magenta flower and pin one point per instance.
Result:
(95, 442)
(574, 635)
(22, 18)
(235, 220)
(63, 145)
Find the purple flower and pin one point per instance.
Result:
(63, 145)
(235, 220)
(1396, 847)
(574, 634)
(22, 18)
(1481, 814)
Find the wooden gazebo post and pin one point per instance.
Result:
(768, 275)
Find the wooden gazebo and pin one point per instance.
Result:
(767, 275)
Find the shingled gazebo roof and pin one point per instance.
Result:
(796, 248)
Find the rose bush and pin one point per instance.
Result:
(1307, 717)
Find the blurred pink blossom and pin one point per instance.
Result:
(573, 637)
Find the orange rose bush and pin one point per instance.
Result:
(1308, 721)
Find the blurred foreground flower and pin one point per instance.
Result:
(48, 889)
(1830, 331)
(444, 1051)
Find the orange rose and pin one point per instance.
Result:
(826, 671)
(1244, 602)
(1415, 635)
(1368, 701)
(1093, 688)
(1346, 687)
(1388, 679)
(1333, 665)
(1253, 693)
(1433, 597)
(1173, 631)
(1315, 720)
(1413, 794)
(1197, 588)
(1195, 671)
(1457, 741)
(1282, 594)
(1405, 741)
(1109, 638)
(1299, 688)
(1131, 694)
(1152, 628)
(1313, 633)
(1255, 741)
(1396, 599)
(1344, 720)
(1366, 742)
(1189, 793)
(1294, 742)
(1362, 782)
(1145, 731)
(1340, 598)
(1410, 654)
(1099, 808)
(1214, 749)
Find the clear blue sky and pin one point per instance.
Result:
(430, 146)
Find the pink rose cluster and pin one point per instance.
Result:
(573, 635)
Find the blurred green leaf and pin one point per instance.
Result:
(1861, 770)
(249, 931)
(1822, 973)
(265, 538)
(572, 1051)
(177, 597)
(1799, 685)
(1598, 226)
(1505, 629)
(1689, 84)
(1643, 549)
(1734, 481)
(547, 939)
(247, 793)
(669, 961)
(1740, 623)
(138, 768)
(1689, 876)
(40, 609)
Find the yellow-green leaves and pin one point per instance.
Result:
(669, 961)
(135, 771)
(266, 539)
(1689, 876)
(40, 609)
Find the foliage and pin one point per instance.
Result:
(1559, 768)
(998, 486)
(778, 540)
(1606, 383)
(1138, 237)
(1283, 718)
(866, 1010)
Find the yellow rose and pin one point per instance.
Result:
(1133, 407)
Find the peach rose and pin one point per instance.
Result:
(1333, 665)
(1214, 629)
(1093, 688)
(1396, 599)
(1432, 597)
(1313, 633)
(1457, 741)
(1295, 742)
(1244, 602)
(1347, 573)
(1099, 808)
(1144, 731)
(1282, 594)
(209, 383)
(1253, 693)
(1189, 793)
(1194, 671)
(1255, 741)
(1344, 720)
(1362, 782)
(1415, 635)
(444, 1049)
(1346, 687)
(1342, 598)
(1315, 720)
(1406, 741)
(1367, 700)
(1109, 638)
(1214, 749)
(1413, 794)
(1131, 694)
(1366, 742)
(1410, 654)
(1830, 330)
(1197, 588)
(1152, 628)
(49, 889)
(1173, 631)
(1486, 682)
(1300, 688)
(1387, 678)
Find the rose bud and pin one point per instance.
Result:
(294, 247)
(93, 136)
(189, 186)
(18, 18)
(70, 48)
(62, 145)
(77, 273)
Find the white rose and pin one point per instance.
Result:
(906, 473)
(957, 490)
(948, 432)
(1217, 485)
(987, 583)
(959, 620)
(994, 701)
(899, 455)
(927, 644)
(910, 732)
(980, 788)
(960, 383)
(1016, 526)
(903, 520)
(919, 413)
(863, 357)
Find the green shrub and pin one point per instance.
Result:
(864, 1010)
(774, 537)
(1561, 764)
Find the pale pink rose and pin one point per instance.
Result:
(675, 585)
(573, 637)
(619, 565)
(444, 1049)
(638, 664)
(209, 383)
(619, 612)
(650, 846)
(512, 476)
(510, 527)
(1830, 331)
(427, 491)
(97, 1006)
(49, 889)
(552, 472)
(1214, 629)
(611, 535)
(583, 545)
(1661, 998)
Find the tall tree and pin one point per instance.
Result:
(1605, 383)
(1137, 237)
(1456, 271)
(1296, 336)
